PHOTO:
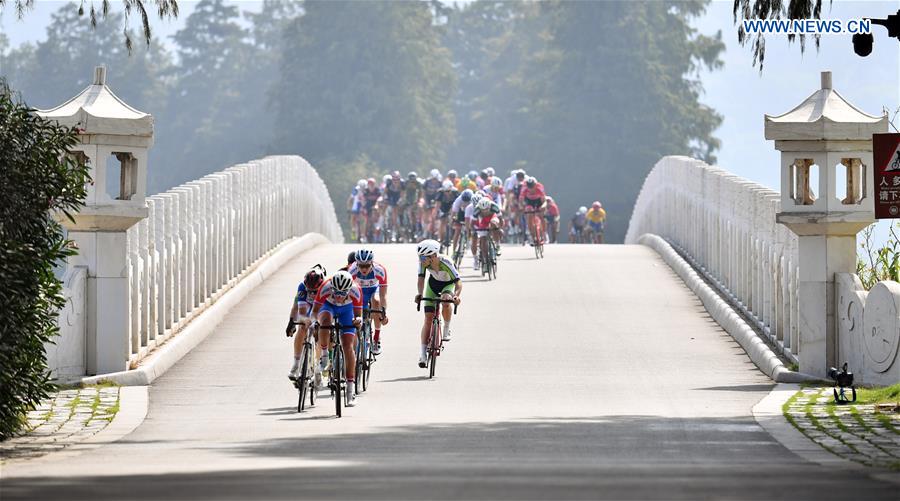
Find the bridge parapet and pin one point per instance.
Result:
(198, 241)
(725, 226)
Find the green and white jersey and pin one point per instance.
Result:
(446, 271)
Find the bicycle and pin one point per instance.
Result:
(536, 236)
(337, 382)
(488, 254)
(307, 382)
(460, 251)
(435, 343)
(364, 356)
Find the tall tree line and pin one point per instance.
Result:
(584, 95)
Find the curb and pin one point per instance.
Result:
(769, 414)
(758, 351)
(134, 402)
(201, 326)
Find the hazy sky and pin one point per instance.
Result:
(739, 92)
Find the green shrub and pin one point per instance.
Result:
(38, 178)
(879, 264)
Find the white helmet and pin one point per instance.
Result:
(435, 173)
(342, 281)
(497, 182)
(477, 198)
(361, 184)
(582, 210)
(448, 184)
(386, 178)
(428, 248)
(490, 171)
(484, 204)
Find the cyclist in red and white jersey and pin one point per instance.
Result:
(532, 199)
(341, 297)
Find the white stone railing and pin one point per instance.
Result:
(725, 227)
(200, 238)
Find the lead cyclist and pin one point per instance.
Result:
(443, 282)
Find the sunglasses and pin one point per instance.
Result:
(363, 265)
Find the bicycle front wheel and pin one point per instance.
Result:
(337, 376)
(303, 385)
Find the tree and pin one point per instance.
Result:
(365, 78)
(773, 9)
(39, 178)
(216, 98)
(165, 9)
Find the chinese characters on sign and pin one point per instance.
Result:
(886, 155)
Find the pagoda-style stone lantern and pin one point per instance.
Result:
(828, 139)
(114, 140)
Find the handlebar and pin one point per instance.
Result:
(436, 300)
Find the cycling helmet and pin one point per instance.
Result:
(484, 204)
(490, 171)
(497, 182)
(467, 195)
(549, 199)
(370, 181)
(476, 198)
(395, 174)
(351, 258)
(473, 175)
(412, 175)
(314, 278)
(364, 256)
(582, 210)
(520, 174)
(484, 174)
(386, 178)
(447, 184)
(428, 248)
(435, 173)
(361, 183)
(342, 281)
(596, 205)
(530, 182)
(452, 173)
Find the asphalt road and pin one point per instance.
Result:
(594, 373)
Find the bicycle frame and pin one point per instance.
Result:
(435, 343)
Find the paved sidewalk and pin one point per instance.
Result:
(854, 432)
(66, 418)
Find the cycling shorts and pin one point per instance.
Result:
(343, 314)
(434, 289)
(460, 217)
(597, 227)
(356, 206)
(534, 204)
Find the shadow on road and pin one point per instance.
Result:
(609, 457)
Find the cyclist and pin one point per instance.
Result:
(370, 196)
(494, 191)
(446, 197)
(485, 219)
(458, 210)
(443, 282)
(552, 217)
(393, 189)
(596, 217)
(340, 297)
(532, 199)
(513, 206)
(351, 258)
(372, 278)
(303, 304)
(409, 203)
(484, 179)
(431, 187)
(469, 217)
(354, 204)
(577, 224)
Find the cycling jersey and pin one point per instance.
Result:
(459, 204)
(494, 196)
(446, 199)
(481, 220)
(370, 282)
(355, 196)
(412, 189)
(530, 195)
(596, 216)
(467, 184)
(392, 192)
(303, 297)
(343, 308)
(440, 281)
(371, 197)
(431, 187)
(552, 209)
(510, 183)
(578, 221)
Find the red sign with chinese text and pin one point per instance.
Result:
(886, 155)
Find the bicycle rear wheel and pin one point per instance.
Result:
(435, 346)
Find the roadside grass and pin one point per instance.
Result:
(883, 395)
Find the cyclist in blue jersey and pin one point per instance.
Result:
(300, 310)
